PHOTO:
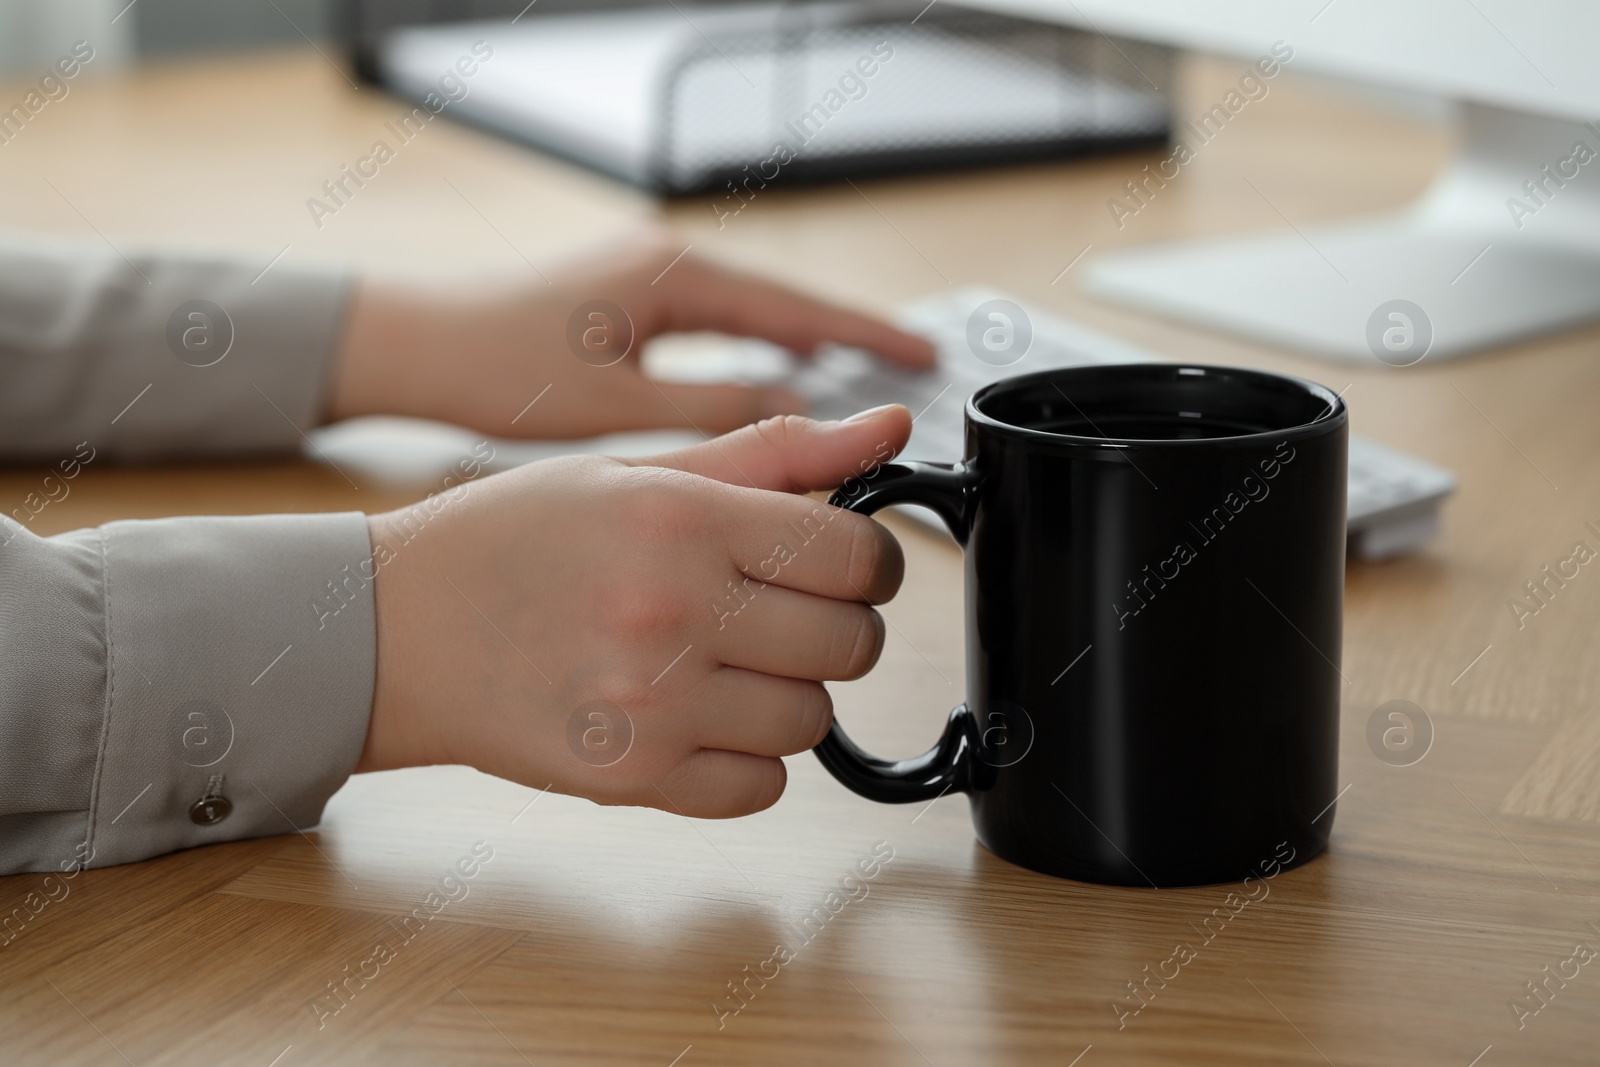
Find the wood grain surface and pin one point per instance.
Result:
(611, 936)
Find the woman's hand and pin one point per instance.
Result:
(478, 359)
(649, 632)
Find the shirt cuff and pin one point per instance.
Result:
(161, 356)
(246, 370)
(240, 660)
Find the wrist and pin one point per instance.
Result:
(384, 747)
(377, 365)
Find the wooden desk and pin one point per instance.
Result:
(606, 936)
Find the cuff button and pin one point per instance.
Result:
(210, 810)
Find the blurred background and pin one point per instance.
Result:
(232, 126)
(31, 30)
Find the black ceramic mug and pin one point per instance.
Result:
(1154, 590)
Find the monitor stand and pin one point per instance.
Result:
(1504, 245)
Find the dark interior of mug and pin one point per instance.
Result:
(1156, 402)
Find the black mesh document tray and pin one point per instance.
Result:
(682, 99)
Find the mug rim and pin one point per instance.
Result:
(1331, 418)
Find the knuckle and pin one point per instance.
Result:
(644, 248)
(638, 612)
(661, 512)
(782, 431)
(774, 431)
(654, 245)
(625, 687)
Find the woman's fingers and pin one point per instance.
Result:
(746, 711)
(717, 784)
(795, 454)
(806, 545)
(702, 296)
(796, 635)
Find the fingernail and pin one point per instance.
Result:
(872, 413)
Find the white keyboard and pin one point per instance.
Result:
(1394, 498)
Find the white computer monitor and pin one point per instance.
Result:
(1506, 242)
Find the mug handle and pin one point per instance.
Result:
(948, 765)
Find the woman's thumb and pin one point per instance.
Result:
(794, 454)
